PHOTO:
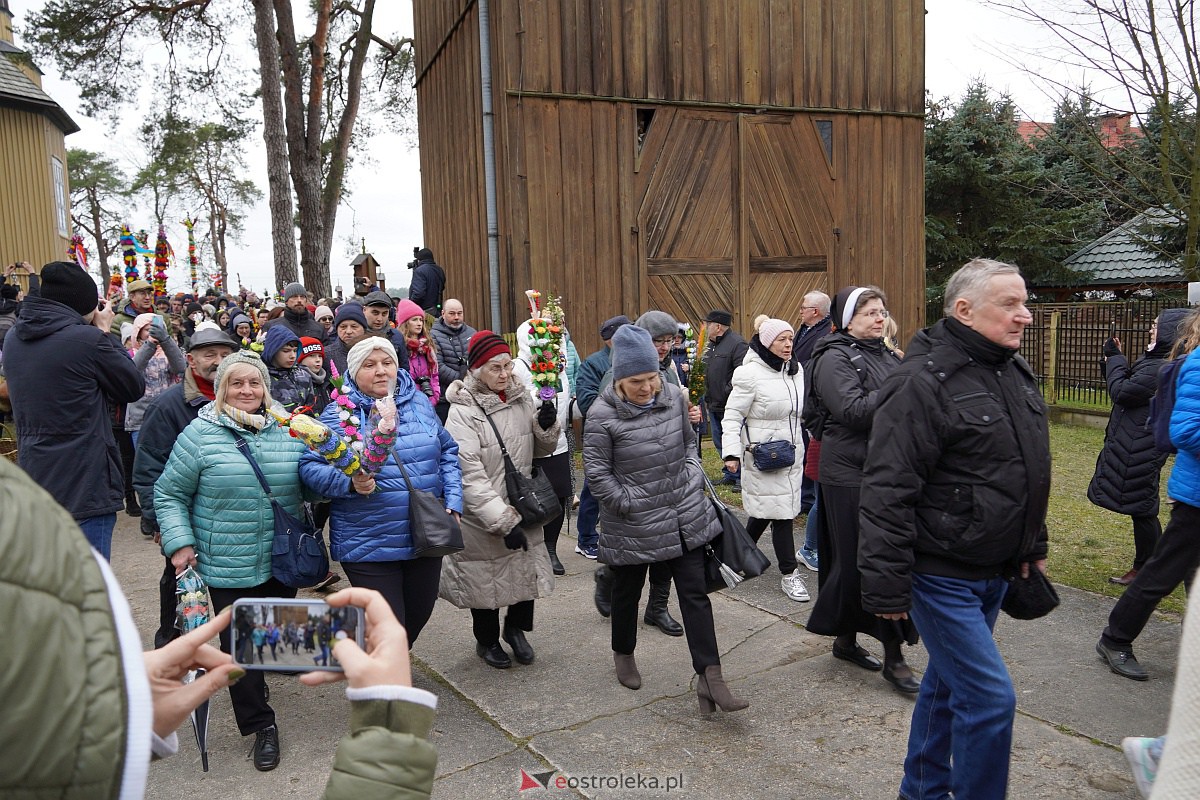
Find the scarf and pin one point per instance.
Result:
(419, 346)
(205, 388)
(245, 419)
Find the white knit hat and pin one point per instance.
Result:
(770, 330)
(358, 354)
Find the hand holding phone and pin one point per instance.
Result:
(385, 661)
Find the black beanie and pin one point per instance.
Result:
(69, 284)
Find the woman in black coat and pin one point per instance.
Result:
(847, 368)
(1128, 467)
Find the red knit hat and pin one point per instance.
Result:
(308, 346)
(483, 347)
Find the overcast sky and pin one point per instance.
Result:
(964, 40)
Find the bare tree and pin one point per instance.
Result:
(309, 132)
(1149, 51)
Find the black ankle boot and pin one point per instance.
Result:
(555, 564)
(603, 593)
(132, 508)
(656, 610)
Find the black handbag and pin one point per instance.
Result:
(434, 532)
(531, 495)
(298, 557)
(1032, 597)
(733, 556)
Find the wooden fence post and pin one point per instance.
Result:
(1052, 370)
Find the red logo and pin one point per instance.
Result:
(538, 780)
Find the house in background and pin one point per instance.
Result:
(672, 155)
(1121, 262)
(35, 200)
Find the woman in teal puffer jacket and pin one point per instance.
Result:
(215, 516)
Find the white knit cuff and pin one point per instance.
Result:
(161, 748)
(410, 694)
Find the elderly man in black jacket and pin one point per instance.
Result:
(168, 415)
(725, 351)
(63, 367)
(954, 497)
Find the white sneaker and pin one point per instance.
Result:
(793, 586)
(1141, 761)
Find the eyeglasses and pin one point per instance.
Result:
(879, 313)
(809, 308)
(665, 340)
(498, 369)
(323, 320)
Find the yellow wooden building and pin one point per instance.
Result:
(672, 154)
(35, 200)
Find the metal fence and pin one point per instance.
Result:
(1065, 342)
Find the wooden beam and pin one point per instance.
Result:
(661, 267)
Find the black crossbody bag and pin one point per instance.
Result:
(531, 495)
(298, 557)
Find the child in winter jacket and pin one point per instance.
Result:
(312, 358)
(291, 384)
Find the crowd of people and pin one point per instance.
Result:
(923, 477)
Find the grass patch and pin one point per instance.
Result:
(1087, 543)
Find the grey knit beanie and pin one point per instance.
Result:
(658, 323)
(244, 357)
(633, 352)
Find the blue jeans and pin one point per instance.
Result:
(715, 429)
(964, 711)
(811, 523)
(589, 515)
(98, 531)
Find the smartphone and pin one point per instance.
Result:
(158, 320)
(280, 634)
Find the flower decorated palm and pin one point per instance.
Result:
(547, 351)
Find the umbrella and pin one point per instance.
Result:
(200, 721)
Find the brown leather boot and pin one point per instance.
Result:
(627, 671)
(711, 692)
(1125, 579)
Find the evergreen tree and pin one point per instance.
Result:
(988, 193)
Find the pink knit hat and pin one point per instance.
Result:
(406, 310)
(770, 330)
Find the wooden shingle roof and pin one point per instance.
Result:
(17, 91)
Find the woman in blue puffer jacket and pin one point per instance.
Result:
(368, 529)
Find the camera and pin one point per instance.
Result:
(413, 264)
(424, 384)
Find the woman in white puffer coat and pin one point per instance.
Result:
(764, 406)
(557, 465)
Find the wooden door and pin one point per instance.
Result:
(735, 212)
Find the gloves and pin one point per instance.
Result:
(1111, 348)
(546, 415)
(158, 333)
(515, 539)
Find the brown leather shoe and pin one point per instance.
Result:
(1125, 579)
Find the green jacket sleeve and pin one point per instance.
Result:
(387, 753)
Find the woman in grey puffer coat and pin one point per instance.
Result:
(640, 458)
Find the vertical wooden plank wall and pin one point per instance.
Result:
(570, 77)
(28, 226)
